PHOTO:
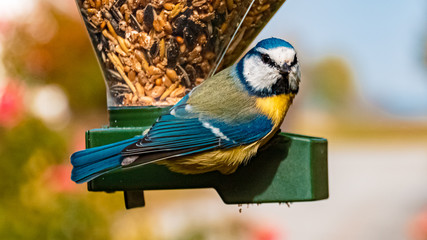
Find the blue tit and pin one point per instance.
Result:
(219, 125)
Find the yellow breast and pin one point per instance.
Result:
(275, 107)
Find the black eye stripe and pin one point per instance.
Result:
(267, 60)
(294, 61)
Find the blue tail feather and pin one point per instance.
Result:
(90, 163)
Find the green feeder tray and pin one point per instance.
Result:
(290, 168)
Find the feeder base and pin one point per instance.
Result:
(291, 168)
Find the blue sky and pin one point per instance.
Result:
(383, 41)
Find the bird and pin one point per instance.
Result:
(218, 126)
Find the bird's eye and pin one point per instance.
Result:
(265, 58)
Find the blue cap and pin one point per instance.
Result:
(270, 43)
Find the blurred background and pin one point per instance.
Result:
(364, 88)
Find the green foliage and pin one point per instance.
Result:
(19, 144)
(34, 210)
(65, 58)
(34, 204)
(69, 218)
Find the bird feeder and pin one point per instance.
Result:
(154, 52)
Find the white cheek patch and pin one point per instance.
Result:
(295, 76)
(280, 55)
(259, 75)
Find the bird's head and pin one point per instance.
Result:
(270, 68)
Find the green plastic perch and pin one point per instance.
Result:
(290, 168)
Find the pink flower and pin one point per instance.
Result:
(418, 226)
(267, 231)
(58, 179)
(11, 104)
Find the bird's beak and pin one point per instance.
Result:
(285, 69)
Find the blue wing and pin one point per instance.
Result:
(184, 131)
